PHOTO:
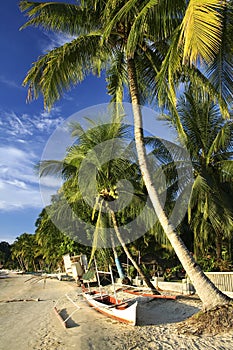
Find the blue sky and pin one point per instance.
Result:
(25, 128)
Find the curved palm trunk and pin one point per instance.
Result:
(208, 293)
(141, 273)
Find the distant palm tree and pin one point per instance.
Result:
(25, 249)
(52, 243)
(109, 157)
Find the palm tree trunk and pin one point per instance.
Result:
(218, 243)
(20, 263)
(207, 291)
(141, 273)
(117, 261)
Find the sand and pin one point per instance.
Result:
(33, 325)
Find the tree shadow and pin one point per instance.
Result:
(162, 311)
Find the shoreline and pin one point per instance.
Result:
(33, 325)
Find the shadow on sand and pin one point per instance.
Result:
(70, 323)
(160, 311)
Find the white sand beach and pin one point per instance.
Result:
(33, 325)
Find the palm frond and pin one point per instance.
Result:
(199, 188)
(219, 72)
(50, 167)
(201, 30)
(222, 140)
(99, 237)
(117, 77)
(139, 28)
(170, 66)
(61, 17)
(63, 67)
(226, 170)
(167, 79)
(115, 15)
(198, 78)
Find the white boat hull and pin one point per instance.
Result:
(120, 311)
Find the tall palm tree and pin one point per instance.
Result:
(208, 293)
(102, 150)
(112, 34)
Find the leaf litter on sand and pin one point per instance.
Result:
(211, 322)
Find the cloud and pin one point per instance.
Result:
(55, 40)
(22, 141)
(67, 97)
(9, 82)
(17, 126)
(18, 167)
(18, 183)
(22, 127)
(51, 182)
(18, 195)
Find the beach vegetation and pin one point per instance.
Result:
(25, 251)
(5, 254)
(106, 151)
(209, 143)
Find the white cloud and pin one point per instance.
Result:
(18, 183)
(9, 82)
(23, 138)
(51, 182)
(13, 158)
(67, 97)
(13, 199)
(20, 141)
(24, 126)
(55, 40)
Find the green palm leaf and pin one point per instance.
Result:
(201, 30)
(61, 17)
(64, 66)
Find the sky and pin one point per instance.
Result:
(26, 128)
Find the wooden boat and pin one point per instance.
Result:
(108, 305)
(144, 294)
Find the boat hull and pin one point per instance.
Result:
(107, 305)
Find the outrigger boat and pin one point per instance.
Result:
(123, 311)
(145, 294)
(109, 305)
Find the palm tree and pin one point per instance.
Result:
(101, 150)
(208, 293)
(209, 142)
(52, 243)
(5, 253)
(25, 249)
(107, 36)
